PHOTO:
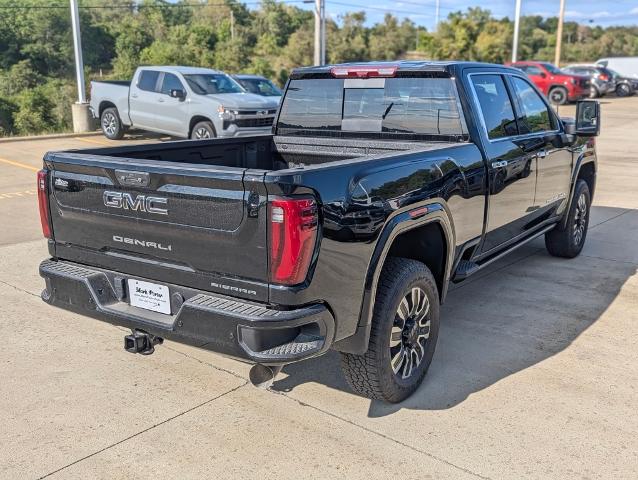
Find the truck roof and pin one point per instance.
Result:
(182, 70)
(448, 66)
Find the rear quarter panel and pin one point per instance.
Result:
(358, 197)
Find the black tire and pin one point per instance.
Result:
(568, 242)
(203, 130)
(623, 90)
(558, 95)
(593, 92)
(111, 124)
(373, 374)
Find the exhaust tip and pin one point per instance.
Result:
(263, 376)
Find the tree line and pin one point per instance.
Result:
(36, 47)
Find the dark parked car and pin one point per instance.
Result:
(558, 86)
(601, 79)
(380, 184)
(625, 86)
(258, 85)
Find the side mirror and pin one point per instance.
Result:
(587, 118)
(181, 94)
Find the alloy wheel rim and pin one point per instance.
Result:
(580, 219)
(109, 123)
(557, 96)
(201, 133)
(410, 333)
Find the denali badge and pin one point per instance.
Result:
(142, 243)
(140, 203)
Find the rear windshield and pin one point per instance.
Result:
(401, 106)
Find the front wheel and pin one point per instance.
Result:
(111, 124)
(568, 241)
(202, 131)
(404, 331)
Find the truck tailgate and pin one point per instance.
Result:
(197, 225)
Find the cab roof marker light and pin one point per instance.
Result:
(364, 72)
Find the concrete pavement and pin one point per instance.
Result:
(535, 374)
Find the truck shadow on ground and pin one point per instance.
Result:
(519, 312)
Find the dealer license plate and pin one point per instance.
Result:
(150, 296)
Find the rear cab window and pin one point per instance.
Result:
(395, 107)
(148, 80)
(496, 105)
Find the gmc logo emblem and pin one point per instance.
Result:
(140, 203)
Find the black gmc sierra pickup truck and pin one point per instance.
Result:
(380, 184)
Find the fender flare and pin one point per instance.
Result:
(583, 159)
(398, 224)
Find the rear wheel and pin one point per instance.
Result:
(203, 130)
(403, 336)
(111, 124)
(568, 242)
(558, 95)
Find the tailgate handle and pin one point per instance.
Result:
(132, 179)
(253, 205)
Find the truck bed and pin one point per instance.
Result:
(263, 152)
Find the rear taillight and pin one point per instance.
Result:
(43, 203)
(293, 233)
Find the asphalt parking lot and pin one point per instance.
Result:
(535, 374)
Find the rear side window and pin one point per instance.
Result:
(535, 113)
(148, 80)
(171, 82)
(496, 106)
(402, 106)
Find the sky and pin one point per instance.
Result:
(422, 12)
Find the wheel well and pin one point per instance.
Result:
(104, 105)
(426, 244)
(588, 173)
(195, 120)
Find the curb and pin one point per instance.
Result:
(48, 137)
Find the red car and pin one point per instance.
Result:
(558, 86)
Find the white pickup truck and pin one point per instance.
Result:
(184, 102)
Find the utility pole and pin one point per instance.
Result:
(559, 33)
(517, 24)
(318, 32)
(436, 15)
(77, 47)
(80, 109)
(232, 24)
(323, 31)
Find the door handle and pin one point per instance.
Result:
(502, 163)
(161, 100)
(134, 95)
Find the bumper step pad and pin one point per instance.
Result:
(221, 324)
